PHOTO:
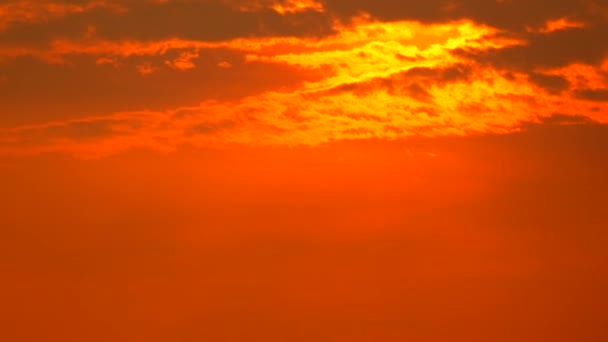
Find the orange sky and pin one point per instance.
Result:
(303, 170)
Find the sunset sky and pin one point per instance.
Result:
(304, 170)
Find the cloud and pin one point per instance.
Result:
(84, 87)
(554, 84)
(279, 6)
(153, 21)
(597, 95)
(184, 61)
(554, 50)
(557, 25)
(44, 11)
(450, 70)
(564, 119)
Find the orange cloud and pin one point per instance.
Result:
(382, 80)
(291, 6)
(279, 6)
(106, 61)
(42, 10)
(558, 25)
(184, 61)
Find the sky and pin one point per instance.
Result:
(303, 170)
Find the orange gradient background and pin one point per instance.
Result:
(286, 170)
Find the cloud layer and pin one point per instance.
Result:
(97, 77)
